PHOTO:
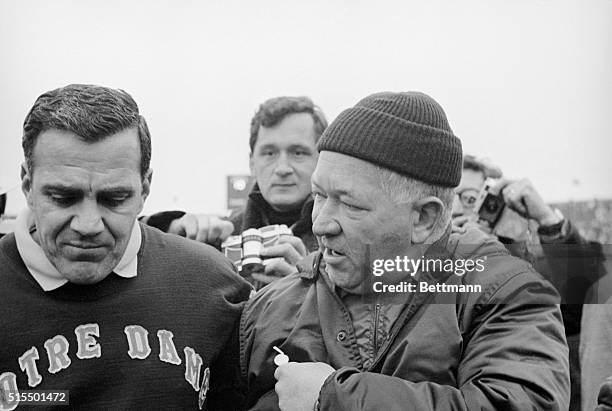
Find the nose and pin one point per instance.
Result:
(323, 222)
(458, 209)
(87, 221)
(283, 166)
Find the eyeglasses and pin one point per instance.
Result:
(468, 197)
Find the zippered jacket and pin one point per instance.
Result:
(500, 348)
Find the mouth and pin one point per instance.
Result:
(85, 252)
(85, 246)
(332, 256)
(333, 252)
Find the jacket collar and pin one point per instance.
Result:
(255, 214)
(309, 266)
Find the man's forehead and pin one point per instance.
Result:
(78, 179)
(345, 172)
(55, 148)
(471, 179)
(293, 129)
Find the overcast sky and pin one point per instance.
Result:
(526, 83)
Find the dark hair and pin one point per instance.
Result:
(91, 112)
(272, 111)
(471, 163)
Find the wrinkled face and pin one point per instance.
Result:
(353, 217)
(85, 198)
(467, 192)
(283, 160)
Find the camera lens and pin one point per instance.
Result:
(252, 243)
(491, 205)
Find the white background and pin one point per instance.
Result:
(526, 83)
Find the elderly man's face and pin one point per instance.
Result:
(353, 213)
(85, 198)
(283, 160)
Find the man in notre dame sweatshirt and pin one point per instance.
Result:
(94, 307)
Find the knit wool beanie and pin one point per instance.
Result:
(404, 132)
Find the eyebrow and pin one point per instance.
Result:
(60, 187)
(71, 189)
(265, 146)
(462, 189)
(338, 192)
(291, 147)
(304, 147)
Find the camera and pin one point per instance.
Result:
(244, 250)
(490, 207)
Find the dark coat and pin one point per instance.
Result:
(499, 349)
(254, 216)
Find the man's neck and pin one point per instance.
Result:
(283, 217)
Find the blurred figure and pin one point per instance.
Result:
(473, 177)
(570, 262)
(2, 207)
(521, 198)
(7, 218)
(284, 133)
(596, 339)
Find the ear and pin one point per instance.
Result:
(146, 184)
(26, 184)
(427, 213)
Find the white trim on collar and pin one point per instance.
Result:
(45, 273)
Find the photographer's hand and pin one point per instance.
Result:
(522, 197)
(204, 228)
(283, 256)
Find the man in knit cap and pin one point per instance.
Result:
(395, 312)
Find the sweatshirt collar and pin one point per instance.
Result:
(45, 273)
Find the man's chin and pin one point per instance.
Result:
(345, 280)
(84, 272)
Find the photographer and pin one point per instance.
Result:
(570, 262)
(519, 201)
(502, 223)
(284, 133)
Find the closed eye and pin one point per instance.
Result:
(353, 207)
(114, 200)
(64, 200)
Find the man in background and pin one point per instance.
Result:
(283, 155)
(568, 260)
